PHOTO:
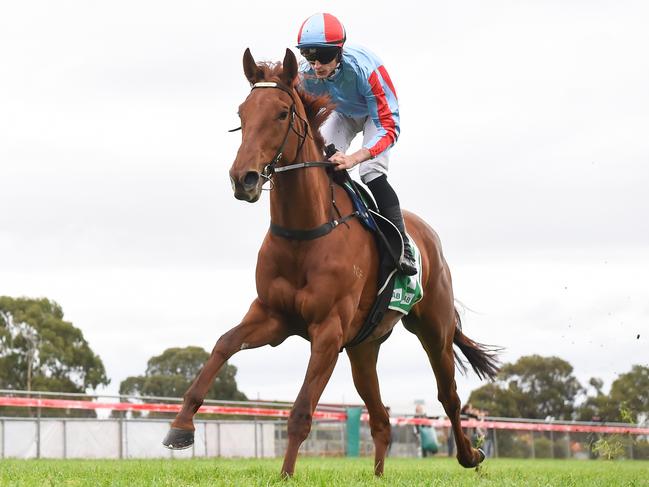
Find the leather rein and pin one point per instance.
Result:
(271, 168)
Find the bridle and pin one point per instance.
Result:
(271, 168)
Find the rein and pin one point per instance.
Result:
(271, 168)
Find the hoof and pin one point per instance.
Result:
(482, 455)
(472, 462)
(178, 439)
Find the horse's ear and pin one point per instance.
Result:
(289, 72)
(253, 72)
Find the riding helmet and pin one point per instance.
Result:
(321, 30)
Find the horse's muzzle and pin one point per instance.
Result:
(246, 187)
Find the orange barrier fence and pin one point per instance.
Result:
(321, 415)
(159, 407)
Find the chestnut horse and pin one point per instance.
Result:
(322, 288)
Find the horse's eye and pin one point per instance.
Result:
(283, 115)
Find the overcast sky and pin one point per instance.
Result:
(525, 144)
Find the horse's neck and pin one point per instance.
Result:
(301, 199)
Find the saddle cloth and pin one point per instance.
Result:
(407, 290)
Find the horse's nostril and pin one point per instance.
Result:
(250, 179)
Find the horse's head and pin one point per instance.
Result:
(267, 124)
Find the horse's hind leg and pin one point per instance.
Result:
(258, 328)
(437, 340)
(363, 359)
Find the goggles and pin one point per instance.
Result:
(322, 54)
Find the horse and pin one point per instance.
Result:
(321, 288)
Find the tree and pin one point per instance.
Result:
(171, 373)
(495, 401)
(631, 392)
(532, 387)
(598, 407)
(41, 351)
(627, 401)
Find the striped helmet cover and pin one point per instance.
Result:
(321, 30)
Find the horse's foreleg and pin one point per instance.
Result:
(363, 360)
(326, 340)
(258, 328)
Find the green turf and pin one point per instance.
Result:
(322, 472)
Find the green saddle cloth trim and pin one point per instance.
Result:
(408, 290)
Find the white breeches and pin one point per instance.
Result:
(340, 130)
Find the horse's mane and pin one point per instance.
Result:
(317, 108)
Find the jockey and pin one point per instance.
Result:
(366, 101)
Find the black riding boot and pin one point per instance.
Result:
(388, 203)
(407, 263)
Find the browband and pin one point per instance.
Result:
(272, 84)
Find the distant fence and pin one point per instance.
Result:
(130, 438)
(42, 427)
(263, 434)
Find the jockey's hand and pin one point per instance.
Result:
(345, 161)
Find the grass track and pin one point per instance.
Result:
(328, 472)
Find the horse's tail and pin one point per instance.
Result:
(483, 358)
